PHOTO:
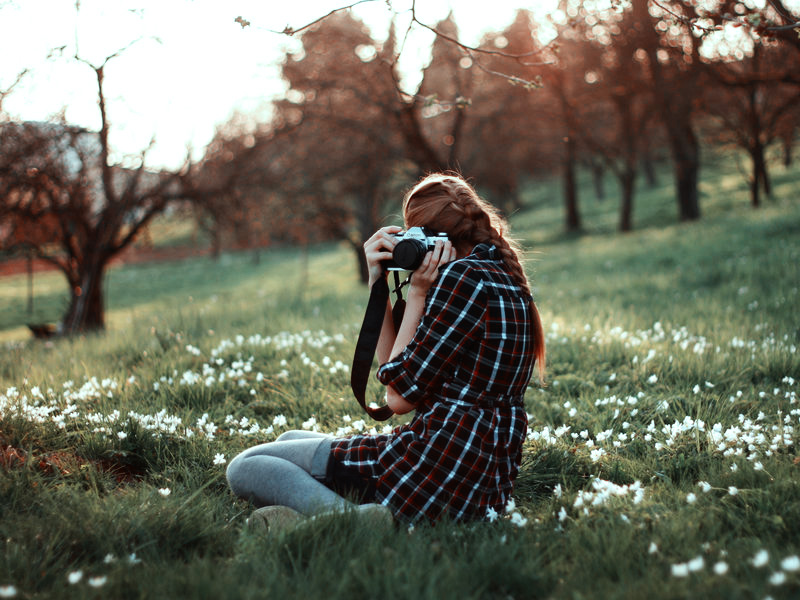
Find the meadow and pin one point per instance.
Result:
(661, 458)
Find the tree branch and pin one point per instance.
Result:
(288, 30)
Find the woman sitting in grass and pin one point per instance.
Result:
(462, 359)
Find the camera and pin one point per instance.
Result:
(410, 251)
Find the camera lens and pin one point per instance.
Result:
(408, 254)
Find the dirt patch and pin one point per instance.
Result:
(19, 266)
(66, 463)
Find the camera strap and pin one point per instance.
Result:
(368, 341)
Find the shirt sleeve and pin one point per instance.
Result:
(454, 316)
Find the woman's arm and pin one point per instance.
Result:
(421, 281)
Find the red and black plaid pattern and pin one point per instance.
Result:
(466, 369)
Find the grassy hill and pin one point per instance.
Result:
(661, 455)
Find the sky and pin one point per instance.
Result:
(188, 66)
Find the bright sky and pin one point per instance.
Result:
(201, 68)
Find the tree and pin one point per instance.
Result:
(511, 133)
(753, 108)
(62, 174)
(343, 131)
(608, 107)
(447, 83)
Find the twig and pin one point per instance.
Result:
(291, 30)
(686, 20)
(453, 40)
(513, 79)
(692, 22)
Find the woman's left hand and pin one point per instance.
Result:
(426, 274)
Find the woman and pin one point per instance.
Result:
(462, 359)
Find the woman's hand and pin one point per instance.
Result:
(379, 248)
(426, 274)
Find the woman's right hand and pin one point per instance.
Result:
(379, 248)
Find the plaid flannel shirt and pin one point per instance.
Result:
(466, 370)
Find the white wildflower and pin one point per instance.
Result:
(491, 515)
(98, 581)
(518, 520)
(760, 559)
(219, 459)
(7, 591)
(164, 491)
(75, 577)
(733, 490)
(777, 578)
(791, 563)
(653, 548)
(680, 570)
(696, 564)
(691, 498)
(721, 568)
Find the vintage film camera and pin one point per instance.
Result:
(410, 251)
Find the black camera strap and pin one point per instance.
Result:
(368, 341)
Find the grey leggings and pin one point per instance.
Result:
(289, 472)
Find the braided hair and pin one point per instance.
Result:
(447, 203)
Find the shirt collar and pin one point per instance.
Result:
(485, 251)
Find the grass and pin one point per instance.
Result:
(660, 460)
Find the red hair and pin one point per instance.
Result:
(447, 203)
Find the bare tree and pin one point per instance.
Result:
(62, 175)
(752, 110)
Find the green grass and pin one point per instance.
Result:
(662, 447)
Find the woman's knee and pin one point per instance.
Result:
(298, 434)
(235, 476)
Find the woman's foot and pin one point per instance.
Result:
(376, 515)
(272, 519)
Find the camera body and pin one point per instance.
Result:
(411, 248)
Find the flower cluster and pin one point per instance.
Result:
(788, 566)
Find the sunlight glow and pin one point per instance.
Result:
(189, 65)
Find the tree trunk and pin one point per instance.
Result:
(787, 148)
(30, 281)
(627, 180)
(760, 163)
(361, 261)
(86, 310)
(686, 158)
(760, 179)
(598, 180)
(418, 150)
(755, 186)
(649, 170)
(674, 102)
(572, 213)
(216, 241)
